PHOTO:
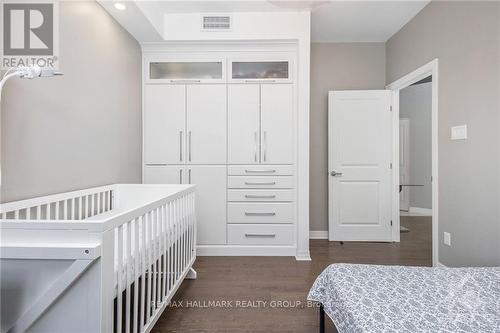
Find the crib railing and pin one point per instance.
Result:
(76, 205)
(145, 252)
(154, 253)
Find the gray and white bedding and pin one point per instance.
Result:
(373, 298)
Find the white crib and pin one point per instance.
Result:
(105, 259)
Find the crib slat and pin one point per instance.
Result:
(177, 243)
(16, 214)
(80, 208)
(169, 246)
(92, 204)
(148, 262)
(57, 210)
(158, 257)
(165, 252)
(47, 210)
(128, 265)
(136, 275)
(183, 225)
(65, 209)
(98, 203)
(193, 225)
(153, 247)
(143, 270)
(183, 239)
(39, 212)
(28, 213)
(119, 276)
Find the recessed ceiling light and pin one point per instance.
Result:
(120, 6)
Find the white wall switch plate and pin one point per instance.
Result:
(447, 238)
(459, 132)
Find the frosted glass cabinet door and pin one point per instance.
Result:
(260, 70)
(243, 123)
(206, 124)
(210, 202)
(164, 125)
(186, 71)
(276, 123)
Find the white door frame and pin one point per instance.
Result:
(431, 68)
(408, 165)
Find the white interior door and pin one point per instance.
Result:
(359, 157)
(277, 123)
(243, 123)
(210, 202)
(206, 124)
(164, 124)
(404, 163)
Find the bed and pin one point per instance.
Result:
(374, 298)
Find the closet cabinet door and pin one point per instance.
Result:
(206, 124)
(164, 124)
(276, 123)
(162, 174)
(210, 202)
(243, 123)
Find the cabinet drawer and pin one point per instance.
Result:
(260, 170)
(260, 195)
(260, 182)
(260, 212)
(251, 234)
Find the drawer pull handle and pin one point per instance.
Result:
(184, 81)
(254, 183)
(250, 196)
(260, 214)
(261, 235)
(260, 171)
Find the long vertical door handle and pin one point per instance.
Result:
(180, 145)
(256, 139)
(265, 145)
(189, 176)
(189, 138)
(180, 176)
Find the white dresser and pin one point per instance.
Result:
(227, 123)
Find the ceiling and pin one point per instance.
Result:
(361, 21)
(331, 21)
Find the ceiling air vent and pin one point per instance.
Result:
(216, 23)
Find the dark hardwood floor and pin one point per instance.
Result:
(245, 283)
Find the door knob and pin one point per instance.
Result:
(335, 174)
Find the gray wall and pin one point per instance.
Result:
(415, 104)
(335, 66)
(82, 129)
(465, 37)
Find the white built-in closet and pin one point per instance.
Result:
(228, 124)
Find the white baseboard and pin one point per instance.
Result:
(421, 211)
(303, 256)
(245, 250)
(318, 234)
(439, 264)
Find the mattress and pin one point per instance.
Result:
(372, 298)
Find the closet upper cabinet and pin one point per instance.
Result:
(276, 133)
(182, 70)
(243, 123)
(260, 123)
(260, 71)
(164, 124)
(206, 124)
